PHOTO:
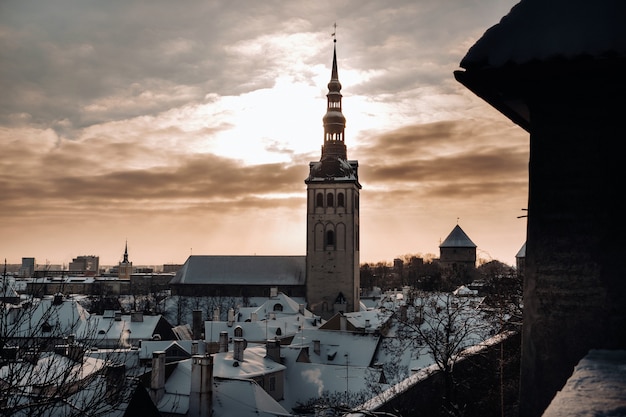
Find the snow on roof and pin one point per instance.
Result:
(51, 368)
(51, 316)
(463, 291)
(336, 348)
(254, 363)
(281, 304)
(149, 346)
(543, 30)
(306, 381)
(231, 397)
(125, 330)
(596, 388)
(242, 270)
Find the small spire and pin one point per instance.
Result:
(126, 252)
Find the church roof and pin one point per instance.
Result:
(242, 270)
(457, 239)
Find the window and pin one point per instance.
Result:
(330, 200)
(340, 200)
(278, 307)
(272, 383)
(330, 238)
(320, 200)
(238, 331)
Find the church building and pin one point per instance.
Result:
(332, 254)
(328, 276)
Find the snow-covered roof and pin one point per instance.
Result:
(148, 347)
(335, 169)
(254, 363)
(231, 397)
(257, 331)
(536, 30)
(109, 331)
(336, 348)
(51, 316)
(306, 381)
(242, 270)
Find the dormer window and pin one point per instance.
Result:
(278, 307)
(238, 331)
(46, 327)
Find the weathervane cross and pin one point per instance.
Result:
(334, 34)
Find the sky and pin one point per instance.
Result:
(186, 128)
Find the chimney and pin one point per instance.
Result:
(254, 316)
(343, 323)
(157, 380)
(115, 373)
(216, 314)
(301, 309)
(231, 317)
(200, 397)
(272, 350)
(136, 316)
(239, 346)
(58, 299)
(317, 347)
(197, 322)
(194, 347)
(223, 341)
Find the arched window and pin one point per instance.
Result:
(330, 200)
(330, 238)
(238, 331)
(340, 201)
(278, 307)
(319, 200)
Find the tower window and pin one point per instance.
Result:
(330, 200)
(330, 238)
(340, 200)
(238, 331)
(319, 200)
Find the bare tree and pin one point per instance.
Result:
(440, 325)
(45, 369)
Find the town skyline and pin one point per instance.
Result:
(187, 132)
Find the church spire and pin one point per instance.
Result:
(334, 120)
(126, 253)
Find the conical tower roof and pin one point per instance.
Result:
(457, 239)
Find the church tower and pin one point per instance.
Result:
(332, 244)
(125, 268)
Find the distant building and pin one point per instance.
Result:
(520, 260)
(28, 267)
(86, 265)
(125, 268)
(240, 276)
(169, 268)
(457, 251)
(457, 255)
